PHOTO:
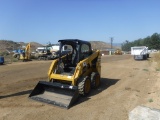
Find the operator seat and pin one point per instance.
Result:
(74, 60)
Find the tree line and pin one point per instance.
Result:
(152, 42)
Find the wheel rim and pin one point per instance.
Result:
(87, 86)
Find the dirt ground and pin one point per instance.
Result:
(125, 84)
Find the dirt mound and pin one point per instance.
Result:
(5, 44)
(11, 45)
(101, 45)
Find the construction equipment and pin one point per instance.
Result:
(70, 75)
(48, 52)
(1, 60)
(140, 52)
(43, 54)
(118, 52)
(23, 54)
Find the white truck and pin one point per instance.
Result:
(140, 52)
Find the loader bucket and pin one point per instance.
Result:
(55, 93)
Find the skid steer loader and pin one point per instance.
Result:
(70, 75)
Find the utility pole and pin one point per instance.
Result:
(111, 42)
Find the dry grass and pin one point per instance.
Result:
(8, 59)
(157, 60)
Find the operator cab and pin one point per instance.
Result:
(77, 51)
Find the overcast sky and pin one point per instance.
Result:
(46, 21)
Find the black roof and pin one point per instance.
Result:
(73, 41)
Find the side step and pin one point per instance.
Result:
(57, 94)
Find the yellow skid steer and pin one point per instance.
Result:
(70, 75)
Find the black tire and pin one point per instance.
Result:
(15, 56)
(144, 57)
(95, 80)
(84, 86)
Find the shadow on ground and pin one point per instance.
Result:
(16, 94)
(105, 84)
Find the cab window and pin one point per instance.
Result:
(85, 52)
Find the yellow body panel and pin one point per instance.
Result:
(83, 68)
(26, 55)
(118, 52)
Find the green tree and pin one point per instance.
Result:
(155, 41)
(152, 42)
